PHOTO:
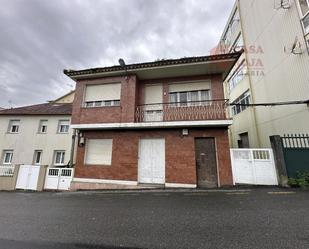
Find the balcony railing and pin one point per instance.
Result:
(7, 170)
(182, 111)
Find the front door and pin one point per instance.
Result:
(206, 162)
(151, 163)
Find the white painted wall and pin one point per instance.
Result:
(28, 139)
(286, 76)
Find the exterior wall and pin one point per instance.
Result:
(68, 98)
(244, 121)
(132, 94)
(217, 91)
(116, 114)
(28, 139)
(284, 75)
(9, 182)
(179, 155)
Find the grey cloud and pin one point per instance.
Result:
(39, 38)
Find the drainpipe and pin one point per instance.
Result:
(72, 148)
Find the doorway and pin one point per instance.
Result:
(206, 162)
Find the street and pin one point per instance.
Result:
(257, 218)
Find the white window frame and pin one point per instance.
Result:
(41, 125)
(242, 99)
(237, 76)
(189, 98)
(11, 125)
(36, 152)
(103, 103)
(62, 158)
(61, 125)
(304, 16)
(11, 153)
(232, 27)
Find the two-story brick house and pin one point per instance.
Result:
(161, 122)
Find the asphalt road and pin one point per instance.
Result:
(261, 218)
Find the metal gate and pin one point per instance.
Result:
(58, 178)
(253, 166)
(28, 176)
(296, 153)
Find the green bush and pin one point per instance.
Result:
(301, 180)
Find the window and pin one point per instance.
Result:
(244, 140)
(232, 28)
(63, 126)
(59, 158)
(238, 45)
(14, 126)
(99, 152)
(237, 76)
(102, 95)
(102, 103)
(7, 156)
(43, 126)
(304, 7)
(200, 97)
(242, 101)
(37, 157)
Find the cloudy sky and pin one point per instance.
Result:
(40, 38)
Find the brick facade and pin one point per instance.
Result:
(179, 155)
(132, 94)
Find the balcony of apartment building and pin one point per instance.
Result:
(182, 111)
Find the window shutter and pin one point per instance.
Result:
(189, 86)
(153, 94)
(99, 152)
(103, 92)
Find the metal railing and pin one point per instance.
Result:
(300, 141)
(182, 111)
(7, 170)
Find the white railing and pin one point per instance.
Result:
(7, 170)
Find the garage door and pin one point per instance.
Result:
(28, 176)
(151, 163)
(253, 166)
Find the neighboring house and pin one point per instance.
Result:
(161, 122)
(274, 67)
(37, 134)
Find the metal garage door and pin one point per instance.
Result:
(253, 166)
(151, 163)
(28, 176)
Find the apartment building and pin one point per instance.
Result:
(161, 123)
(38, 134)
(274, 67)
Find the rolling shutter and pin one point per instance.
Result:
(153, 94)
(99, 151)
(103, 92)
(189, 86)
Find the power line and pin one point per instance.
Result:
(299, 102)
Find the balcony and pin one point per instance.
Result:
(182, 111)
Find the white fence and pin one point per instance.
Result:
(7, 170)
(253, 166)
(58, 178)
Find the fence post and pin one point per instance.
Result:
(277, 146)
